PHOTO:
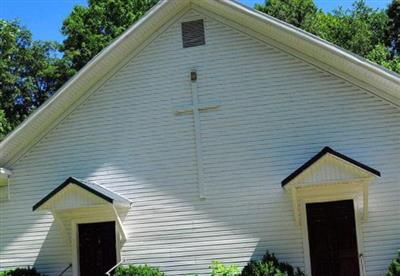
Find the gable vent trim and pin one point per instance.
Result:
(193, 33)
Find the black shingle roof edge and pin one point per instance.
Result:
(319, 155)
(77, 182)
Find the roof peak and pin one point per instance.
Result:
(91, 187)
(318, 156)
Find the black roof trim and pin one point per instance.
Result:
(324, 151)
(75, 181)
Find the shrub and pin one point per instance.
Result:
(21, 272)
(219, 269)
(270, 266)
(394, 267)
(138, 270)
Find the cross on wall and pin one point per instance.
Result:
(195, 108)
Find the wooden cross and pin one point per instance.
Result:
(195, 108)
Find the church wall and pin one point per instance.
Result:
(276, 112)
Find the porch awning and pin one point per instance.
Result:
(326, 152)
(75, 193)
(75, 197)
(329, 175)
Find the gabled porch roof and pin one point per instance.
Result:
(77, 197)
(319, 156)
(329, 176)
(97, 190)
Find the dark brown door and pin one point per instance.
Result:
(97, 251)
(333, 239)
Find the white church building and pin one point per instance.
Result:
(208, 131)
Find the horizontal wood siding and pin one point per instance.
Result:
(276, 112)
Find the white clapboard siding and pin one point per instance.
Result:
(276, 112)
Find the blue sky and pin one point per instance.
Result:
(44, 17)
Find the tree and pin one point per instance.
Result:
(393, 32)
(358, 30)
(382, 56)
(394, 267)
(361, 29)
(4, 125)
(30, 72)
(294, 12)
(90, 29)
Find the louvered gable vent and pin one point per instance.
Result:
(193, 33)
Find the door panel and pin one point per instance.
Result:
(332, 238)
(97, 248)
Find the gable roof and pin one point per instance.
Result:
(374, 78)
(93, 188)
(321, 154)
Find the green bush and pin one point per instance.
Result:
(138, 270)
(219, 269)
(21, 272)
(270, 266)
(394, 267)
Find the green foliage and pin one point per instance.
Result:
(382, 56)
(21, 272)
(5, 126)
(371, 33)
(393, 31)
(295, 12)
(270, 266)
(394, 267)
(219, 269)
(90, 29)
(357, 30)
(139, 270)
(30, 72)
